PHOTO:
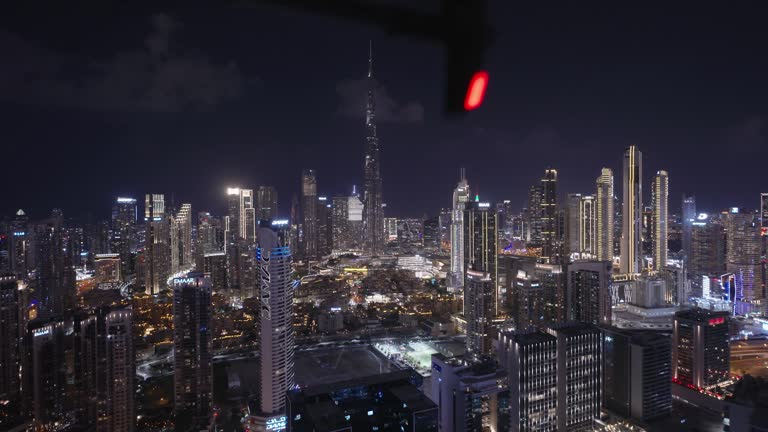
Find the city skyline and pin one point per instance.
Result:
(565, 117)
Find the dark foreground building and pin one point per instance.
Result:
(384, 402)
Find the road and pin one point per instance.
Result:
(749, 356)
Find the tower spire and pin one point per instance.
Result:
(370, 58)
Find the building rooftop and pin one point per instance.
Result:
(698, 314)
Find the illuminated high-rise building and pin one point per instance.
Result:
(210, 237)
(324, 226)
(275, 324)
(604, 212)
(55, 285)
(479, 310)
(266, 203)
(390, 229)
(581, 226)
(183, 250)
(550, 250)
(689, 216)
(743, 258)
(193, 359)
(588, 294)
(481, 256)
(157, 245)
(632, 212)
(660, 229)
(10, 350)
(241, 213)
(373, 220)
(461, 197)
(309, 211)
(701, 354)
(46, 375)
(105, 369)
(124, 216)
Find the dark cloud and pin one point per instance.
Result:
(155, 78)
(353, 95)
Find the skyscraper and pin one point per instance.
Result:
(47, 372)
(373, 221)
(183, 249)
(266, 203)
(193, 361)
(550, 234)
(481, 248)
(460, 200)
(743, 258)
(579, 375)
(479, 310)
(10, 354)
(55, 285)
(275, 323)
(689, 216)
(660, 219)
(632, 216)
(157, 247)
(701, 354)
(581, 229)
(636, 373)
(105, 369)
(241, 213)
(124, 215)
(309, 211)
(324, 226)
(589, 297)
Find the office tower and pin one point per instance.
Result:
(105, 369)
(743, 258)
(689, 216)
(432, 234)
(701, 354)
(18, 240)
(183, 250)
(55, 285)
(373, 221)
(481, 242)
(581, 226)
(47, 375)
(395, 404)
(531, 361)
(636, 373)
(479, 310)
(461, 197)
(215, 268)
(339, 218)
(470, 395)
(157, 247)
(589, 296)
(660, 219)
(579, 375)
(355, 221)
(124, 216)
(241, 213)
(549, 233)
(266, 203)
(309, 211)
(764, 211)
(193, 362)
(706, 253)
(553, 292)
(10, 350)
(647, 232)
(107, 268)
(444, 220)
(324, 226)
(527, 299)
(533, 216)
(275, 295)
(210, 237)
(632, 212)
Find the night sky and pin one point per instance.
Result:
(97, 103)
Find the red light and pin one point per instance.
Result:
(476, 90)
(716, 321)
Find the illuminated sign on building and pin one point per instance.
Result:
(19, 233)
(734, 209)
(276, 423)
(702, 216)
(483, 205)
(280, 222)
(123, 200)
(183, 281)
